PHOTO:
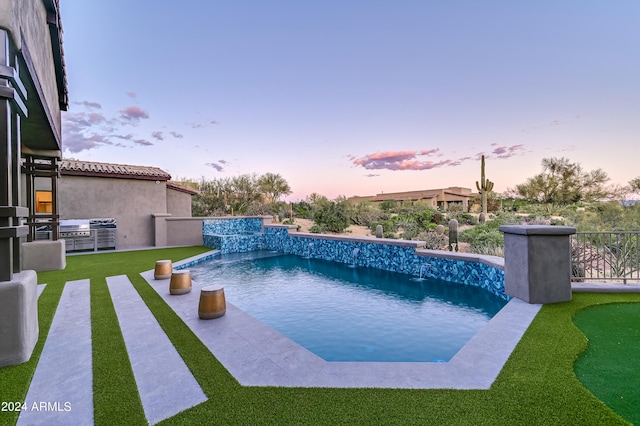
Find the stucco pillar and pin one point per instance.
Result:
(18, 318)
(160, 229)
(537, 262)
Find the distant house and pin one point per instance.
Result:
(440, 199)
(129, 194)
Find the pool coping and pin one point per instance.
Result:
(257, 355)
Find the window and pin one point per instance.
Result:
(44, 202)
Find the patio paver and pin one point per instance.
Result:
(165, 384)
(61, 391)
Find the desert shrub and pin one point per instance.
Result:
(410, 222)
(504, 218)
(303, 210)
(318, 229)
(388, 205)
(489, 250)
(438, 219)
(388, 228)
(256, 209)
(534, 219)
(463, 218)
(483, 239)
(610, 216)
(332, 215)
(365, 214)
(435, 239)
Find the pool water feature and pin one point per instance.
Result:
(342, 313)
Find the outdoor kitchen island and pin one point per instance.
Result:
(86, 234)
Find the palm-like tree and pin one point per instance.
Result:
(273, 186)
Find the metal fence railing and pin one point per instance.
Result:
(605, 256)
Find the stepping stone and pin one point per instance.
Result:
(165, 384)
(61, 391)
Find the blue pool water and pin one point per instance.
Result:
(344, 313)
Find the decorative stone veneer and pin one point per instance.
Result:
(408, 257)
(232, 226)
(234, 235)
(235, 243)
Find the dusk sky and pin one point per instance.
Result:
(354, 97)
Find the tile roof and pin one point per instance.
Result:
(182, 188)
(124, 171)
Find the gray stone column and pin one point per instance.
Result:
(537, 262)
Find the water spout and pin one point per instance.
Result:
(423, 268)
(354, 256)
(309, 248)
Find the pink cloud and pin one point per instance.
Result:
(401, 160)
(133, 115)
(95, 118)
(508, 151)
(429, 151)
(77, 142)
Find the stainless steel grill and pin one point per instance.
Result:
(88, 234)
(75, 228)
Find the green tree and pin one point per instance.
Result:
(332, 215)
(273, 186)
(245, 192)
(634, 184)
(562, 182)
(213, 197)
(315, 198)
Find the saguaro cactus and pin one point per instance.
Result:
(378, 231)
(453, 234)
(484, 187)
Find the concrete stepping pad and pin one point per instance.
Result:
(61, 391)
(165, 384)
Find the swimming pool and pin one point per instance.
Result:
(344, 313)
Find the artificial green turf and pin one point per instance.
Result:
(610, 366)
(537, 385)
(115, 392)
(15, 380)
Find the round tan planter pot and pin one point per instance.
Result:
(212, 303)
(180, 282)
(163, 270)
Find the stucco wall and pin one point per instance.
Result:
(184, 231)
(9, 18)
(178, 203)
(30, 17)
(130, 201)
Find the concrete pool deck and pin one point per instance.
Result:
(257, 355)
